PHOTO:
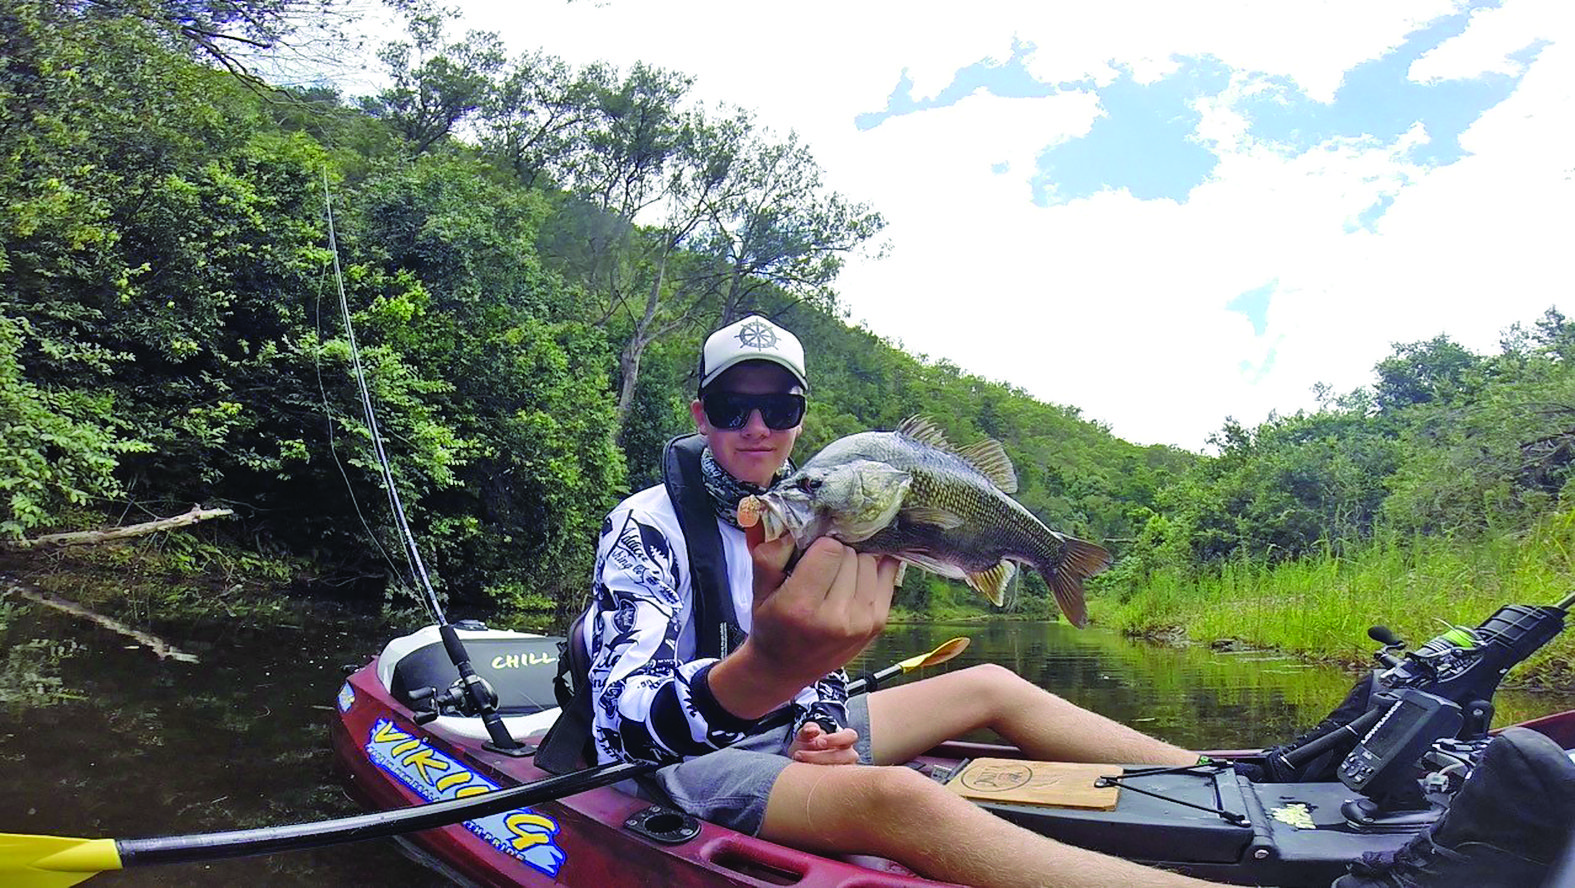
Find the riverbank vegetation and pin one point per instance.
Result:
(1439, 493)
(531, 255)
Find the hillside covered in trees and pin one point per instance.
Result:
(531, 255)
(529, 300)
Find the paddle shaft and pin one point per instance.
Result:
(244, 842)
(266, 840)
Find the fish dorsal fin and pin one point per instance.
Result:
(922, 429)
(989, 457)
(931, 515)
(993, 582)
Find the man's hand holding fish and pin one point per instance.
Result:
(805, 624)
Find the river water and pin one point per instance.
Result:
(103, 738)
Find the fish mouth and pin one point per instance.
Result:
(778, 516)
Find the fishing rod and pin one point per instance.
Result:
(61, 861)
(472, 694)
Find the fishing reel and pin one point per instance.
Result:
(428, 703)
(1451, 666)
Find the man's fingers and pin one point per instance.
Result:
(844, 584)
(885, 588)
(888, 570)
(844, 737)
(840, 756)
(770, 559)
(821, 567)
(866, 590)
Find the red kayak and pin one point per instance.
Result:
(605, 836)
(600, 837)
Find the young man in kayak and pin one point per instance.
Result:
(655, 700)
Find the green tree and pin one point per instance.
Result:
(739, 219)
(776, 225)
(539, 113)
(228, 33)
(1421, 372)
(56, 449)
(435, 84)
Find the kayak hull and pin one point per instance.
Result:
(389, 762)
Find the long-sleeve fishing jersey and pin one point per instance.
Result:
(650, 697)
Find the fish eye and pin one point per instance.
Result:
(810, 484)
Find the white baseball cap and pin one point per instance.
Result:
(752, 339)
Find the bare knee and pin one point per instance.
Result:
(993, 675)
(998, 688)
(898, 801)
(854, 809)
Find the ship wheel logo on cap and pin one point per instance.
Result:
(756, 334)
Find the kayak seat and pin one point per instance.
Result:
(520, 666)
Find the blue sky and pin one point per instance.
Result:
(1162, 213)
(1145, 139)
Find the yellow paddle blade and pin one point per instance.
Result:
(53, 861)
(946, 651)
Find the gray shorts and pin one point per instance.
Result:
(730, 786)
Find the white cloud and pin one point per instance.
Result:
(1494, 33)
(1113, 304)
(1314, 44)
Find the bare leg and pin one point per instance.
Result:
(907, 720)
(902, 815)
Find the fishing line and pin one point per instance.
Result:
(333, 448)
(412, 554)
(471, 695)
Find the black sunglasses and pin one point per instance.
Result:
(730, 410)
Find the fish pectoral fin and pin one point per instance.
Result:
(902, 572)
(989, 457)
(993, 582)
(928, 561)
(931, 515)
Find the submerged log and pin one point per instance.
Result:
(92, 537)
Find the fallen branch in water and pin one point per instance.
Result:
(159, 646)
(92, 537)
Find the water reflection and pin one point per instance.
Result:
(120, 743)
(1192, 696)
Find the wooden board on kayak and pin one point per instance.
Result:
(1059, 784)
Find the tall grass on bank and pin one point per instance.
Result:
(1321, 606)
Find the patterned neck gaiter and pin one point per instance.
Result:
(726, 490)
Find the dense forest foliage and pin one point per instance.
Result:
(1446, 443)
(531, 255)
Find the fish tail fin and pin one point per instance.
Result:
(1065, 570)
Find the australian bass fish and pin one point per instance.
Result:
(910, 494)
